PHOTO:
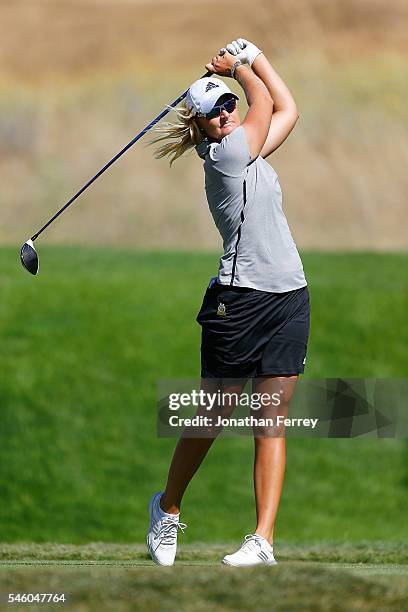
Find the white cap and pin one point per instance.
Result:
(204, 93)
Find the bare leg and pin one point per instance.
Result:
(190, 452)
(270, 456)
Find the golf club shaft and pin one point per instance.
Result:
(112, 161)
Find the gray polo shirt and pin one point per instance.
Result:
(245, 200)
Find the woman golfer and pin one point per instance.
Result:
(255, 315)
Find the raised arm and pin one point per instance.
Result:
(285, 113)
(258, 118)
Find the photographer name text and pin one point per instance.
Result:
(248, 421)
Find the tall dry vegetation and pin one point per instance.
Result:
(80, 78)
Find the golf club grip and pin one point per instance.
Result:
(112, 161)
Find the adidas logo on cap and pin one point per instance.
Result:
(210, 85)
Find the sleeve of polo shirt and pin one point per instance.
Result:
(231, 155)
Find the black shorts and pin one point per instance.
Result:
(249, 333)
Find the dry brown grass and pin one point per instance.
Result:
(40, 38)
(80, 78)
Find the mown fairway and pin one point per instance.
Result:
(103, 577)
(82, 347)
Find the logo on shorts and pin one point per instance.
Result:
(304, 361)
(221, 310)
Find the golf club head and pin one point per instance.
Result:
(29, 257)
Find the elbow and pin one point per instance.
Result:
(294, 116)
(292, 110)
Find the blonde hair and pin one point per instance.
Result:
(186, 134)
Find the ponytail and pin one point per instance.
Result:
(186, 134)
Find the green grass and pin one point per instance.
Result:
(365, 552)
(367, 576)
(82, 347)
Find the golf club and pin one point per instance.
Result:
(28, 254)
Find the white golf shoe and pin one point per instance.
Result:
(162, 535)
(255, 550)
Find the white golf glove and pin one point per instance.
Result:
(244, 50)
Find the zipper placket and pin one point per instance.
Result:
(234, 263)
